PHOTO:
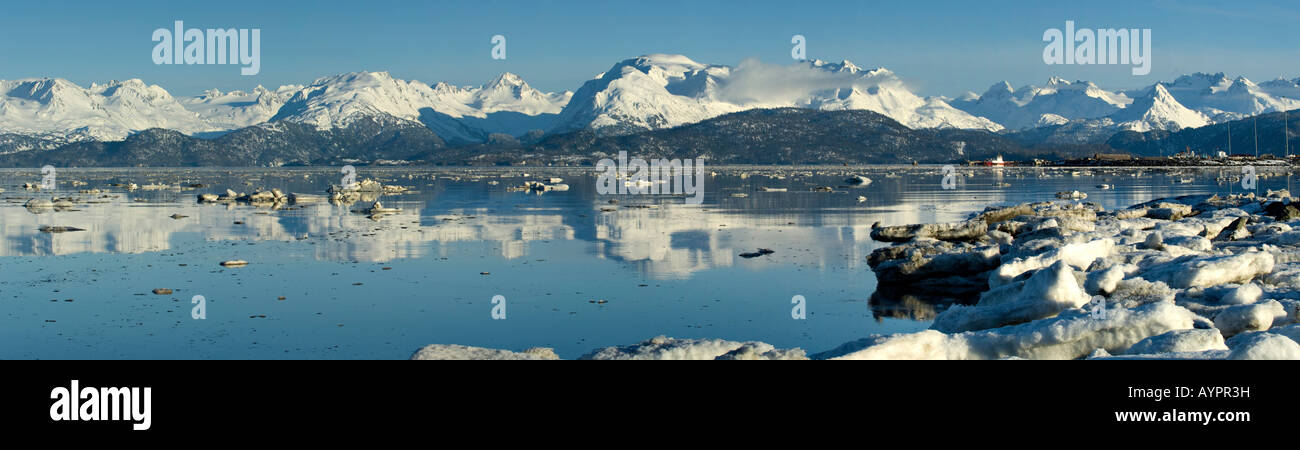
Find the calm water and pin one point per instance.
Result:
(360, 288)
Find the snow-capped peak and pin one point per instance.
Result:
(1055, 80)
(670, 90)
(506, 79)
(58, 108)
(1158, 110)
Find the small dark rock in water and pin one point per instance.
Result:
(162, 291)
(234, 263)
(750, 255)
(59, 229)
(280, 297)
(239, 222)
(485, 273)
(357, 283)
(766, 251)
(178, 216)
(386, 268)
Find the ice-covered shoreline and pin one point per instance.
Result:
(1191, 277)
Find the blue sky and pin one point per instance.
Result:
(940, 48)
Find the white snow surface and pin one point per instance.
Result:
(1072, 334)
(666, 348)
(462, 352)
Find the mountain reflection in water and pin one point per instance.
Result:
(678, 262)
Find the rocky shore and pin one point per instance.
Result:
(1192, 277)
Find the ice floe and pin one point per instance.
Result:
(1191, 277)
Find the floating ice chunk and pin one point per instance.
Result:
(1179, 341)
(1202, 355)
(1006, 293)
(1137, 291)
(1211, 270)
(460, 352)
(1291, 331)
(1263, 346)
(1070, 335)
(1257, 317)
(1193, 243)
(1169, 211)
(663, 347)
(1046, 293)
(1079, 256)
(762, 351)
(1001, 237)
(1104, 282)
(955, 231)
(1236, 230)
(1155, 241)
(1285, 239)
(927, 260)
(1242, 295)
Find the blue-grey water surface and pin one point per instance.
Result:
(574, 277)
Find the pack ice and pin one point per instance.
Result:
(1191, 277)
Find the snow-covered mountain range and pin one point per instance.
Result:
(648, 92)
(1189, 101)
(61, 110)
(661, 91)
